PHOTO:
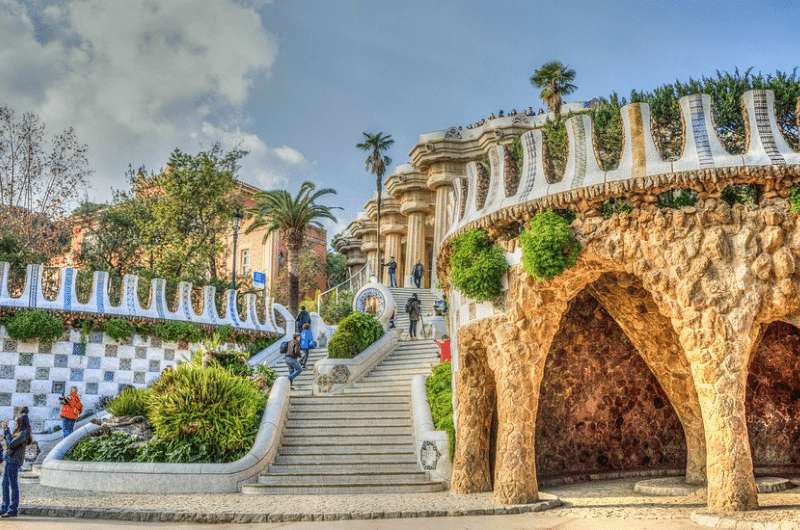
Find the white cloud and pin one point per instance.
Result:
(138, 78)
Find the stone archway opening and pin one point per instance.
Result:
(601, 409)
(772, 403)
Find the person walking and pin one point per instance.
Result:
(392, 267)
(417, 274)
(302, 318)
(71, 408)
(15, 443)
(292, 356)
(413, 309)
(306, 343)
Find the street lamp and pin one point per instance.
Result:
(237, 220)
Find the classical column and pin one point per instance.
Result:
(440, 180)
(410, 189)
(393, 226)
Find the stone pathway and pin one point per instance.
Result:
(606, 500)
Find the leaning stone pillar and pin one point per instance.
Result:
(475, 398)
(440, 180)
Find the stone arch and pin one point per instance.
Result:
(601, 406)
(773, 397)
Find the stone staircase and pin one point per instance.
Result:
(360, 441)
(401, 296)
(302, 384)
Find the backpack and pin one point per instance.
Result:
(285, 347)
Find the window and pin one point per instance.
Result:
(245, 261)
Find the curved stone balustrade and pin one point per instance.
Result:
(640, 157)
(99, 302)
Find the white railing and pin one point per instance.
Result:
(353, 283)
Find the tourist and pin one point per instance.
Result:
(440, 306)
(417, 274)
(16, 443)
(306, 343)
(413, 309)
(71, 408)
(292, 354)
(391, 265)
(302, 318)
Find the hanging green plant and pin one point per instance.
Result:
(794, 199)
(676, 199)
(554, 134)
(615, 206)
(608, 135)
(477, 265)
(740, 194)
(548, 246)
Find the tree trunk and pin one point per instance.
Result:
(293, 268)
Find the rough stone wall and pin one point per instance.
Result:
(600, 407)
(773, 397)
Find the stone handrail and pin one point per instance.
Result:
(432, 446)
(585, 179)
(136, 477)
(333, 375)
(66, 300)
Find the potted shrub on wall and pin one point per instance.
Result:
(548, 246)
(477, 265)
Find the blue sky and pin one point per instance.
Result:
(296, 81)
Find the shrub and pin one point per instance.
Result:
(119, 329)
(111, 447)
(477, 265)
(615, 206)
(35, 324)
(355, 333)
(269, 375)
(548, 246)
(334, 311)
(440, 400)
(183, 451)
(680, 198)
(206, 407)
(178, 332)
(233, 361)
(794, 199)
(259, 343)
(740, 194)
(607, 123)
(130, 402)
(555, 143)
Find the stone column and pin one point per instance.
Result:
(475, 405)
(415, 243)
(410, 189)
(393, 226)
(440, 180)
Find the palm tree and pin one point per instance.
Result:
(278, 211)
(555, 79)
(376, 144)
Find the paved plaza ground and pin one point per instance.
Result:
(602, 504)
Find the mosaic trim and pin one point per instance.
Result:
(528, 167)
(761, 108)
(700, 133)
(579, 136)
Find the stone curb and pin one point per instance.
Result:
(711, 520)
(143, 516)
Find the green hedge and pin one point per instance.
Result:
(111, 447)
(740, 194)
(119, 329)
(676, 199)
(548, 246)
(440, 400)
(477, 265)
(34, 325)
(178, 331)
(354, 334)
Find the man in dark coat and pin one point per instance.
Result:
(302, 318)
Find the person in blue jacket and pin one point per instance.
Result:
(306, 343)
(15, 443)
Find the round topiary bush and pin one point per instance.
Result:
(35, 324)
(477, 265)
(208, 407)
(354, 334)
(548, 246)
(119, 329)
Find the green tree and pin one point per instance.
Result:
(278, 211)
(335, 268)
(376, 145)
(309, 272)
(555, 80)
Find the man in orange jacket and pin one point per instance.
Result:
(71, 409)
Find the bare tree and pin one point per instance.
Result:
(40, 177)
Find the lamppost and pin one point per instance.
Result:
(237, 220)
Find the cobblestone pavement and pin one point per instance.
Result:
(586, 505)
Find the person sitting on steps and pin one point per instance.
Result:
(413, 308)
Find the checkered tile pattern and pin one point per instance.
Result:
(36, 375)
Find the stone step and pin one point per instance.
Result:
(342, 459)
(334, 423)
(337, 399)
(382, 371)
(338, 440)
(329, 479)
(343, 430)
(394, 385)
(321, 469)
(358, 449)
(330, 415)
(29, 477)
(335, 407)
(371, 389)
(389, 379)
(334, 489)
